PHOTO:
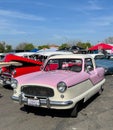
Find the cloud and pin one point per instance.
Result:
(44, 4)
(92, 5)
(8, 28)
(4, 23)
(102, 21)
(9, 31)
(85, 8)
(19, 15)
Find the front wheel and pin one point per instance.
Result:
(100, 91)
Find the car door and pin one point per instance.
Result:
(93, 74)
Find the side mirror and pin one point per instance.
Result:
(89, 68)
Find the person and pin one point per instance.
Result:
(104, 51)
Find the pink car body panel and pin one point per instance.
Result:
(53, 77)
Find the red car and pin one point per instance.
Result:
(15, 66)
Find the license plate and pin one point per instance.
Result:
(32, 102)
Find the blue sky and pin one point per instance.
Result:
(55, 21)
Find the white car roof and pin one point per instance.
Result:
(24, 53)
(52, 53)
(71, 56)
(98, 54)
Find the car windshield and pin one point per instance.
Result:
(110, 57)
(100, 57)
(64, 64)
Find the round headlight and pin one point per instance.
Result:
(14, 83)
(61, 86)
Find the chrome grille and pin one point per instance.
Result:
(38, 91)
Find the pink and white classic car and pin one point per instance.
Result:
(64, 82)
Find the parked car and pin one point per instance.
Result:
(64, 82)
(43, 55)
(104, 61)
(109, 56)
(10, 69)
(30, 62)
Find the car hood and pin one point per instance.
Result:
(51, 78)
(104, 63)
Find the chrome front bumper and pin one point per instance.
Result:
(43, 102)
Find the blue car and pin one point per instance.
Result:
(104, 61)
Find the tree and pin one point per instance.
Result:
(109, 40)
(43, 46)
(29, 46)
(84, 45)
(64, 46)
(8, 48)
(2, 47)
(25, 46)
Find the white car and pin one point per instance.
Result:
(64, 82)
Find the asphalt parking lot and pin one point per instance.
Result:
(97, 114)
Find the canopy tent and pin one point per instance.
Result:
(101, 46)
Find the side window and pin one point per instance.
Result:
(88, 64)
(51, 65)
